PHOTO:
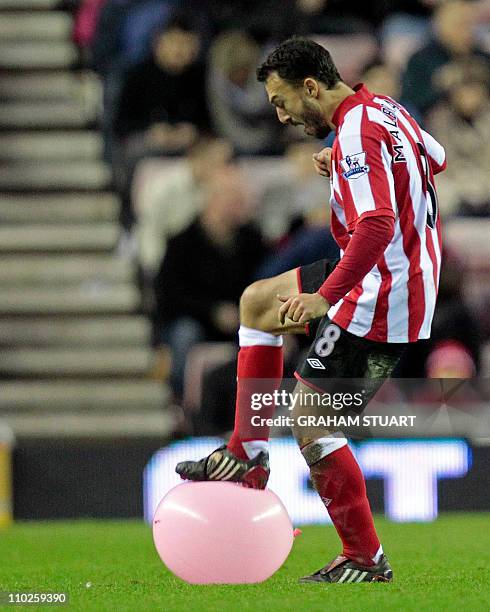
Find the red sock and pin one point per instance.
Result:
(254, 362)
(340, 483)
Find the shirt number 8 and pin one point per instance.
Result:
(326, 343)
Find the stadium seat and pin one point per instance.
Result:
(469, 239)
(259, 173)
(202, 358)
(145, 175)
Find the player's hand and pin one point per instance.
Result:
(302, 308)
(323, 162)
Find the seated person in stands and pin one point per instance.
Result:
(163, 98)
(205, 270)
(239, 110)
(162, 105)
(453, 39)
(168, 202)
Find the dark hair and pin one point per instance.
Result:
(298, 58)
(179, 20)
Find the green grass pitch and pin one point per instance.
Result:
(438, 566)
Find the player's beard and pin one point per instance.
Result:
(314, 121)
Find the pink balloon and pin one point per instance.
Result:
(222, 533)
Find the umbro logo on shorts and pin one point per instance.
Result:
(315, 363)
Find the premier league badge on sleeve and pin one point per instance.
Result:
(354, 166)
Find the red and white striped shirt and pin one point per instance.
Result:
(383, 163)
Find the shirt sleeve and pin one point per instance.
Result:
(365, 248)
(435, 151)
(364, 171)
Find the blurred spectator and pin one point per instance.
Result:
(239, 108)
(337, 16)
(163, 98)
(205, 270)
(162, 104)
(462, 124)
(450, 359)
(124, 30)
(382, 79)
(453, 38)
(171, 200)
(261, 19)
(302, 192)
(85, 22)
(405, 29)
(455, 342)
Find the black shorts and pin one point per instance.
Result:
(336, 353)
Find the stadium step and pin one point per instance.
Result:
(49, 85)
(86, 299)
(52, 238)
(52, 26)
(58, 208)
(37, 55)
(55, 176)
(46, 115)
(55, 270)
(80, 362)
(85, 396)
(74, 352)
(52, 145)
(108, 332)
(74, 425)
(7, 5)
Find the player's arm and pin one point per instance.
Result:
(369, 206)
(366, 246)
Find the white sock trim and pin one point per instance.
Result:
(254, 337)
(254, 447)
(318, 449)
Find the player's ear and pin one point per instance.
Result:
(311, 87)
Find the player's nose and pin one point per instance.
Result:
(282, 115)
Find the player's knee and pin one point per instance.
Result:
(252, 305)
